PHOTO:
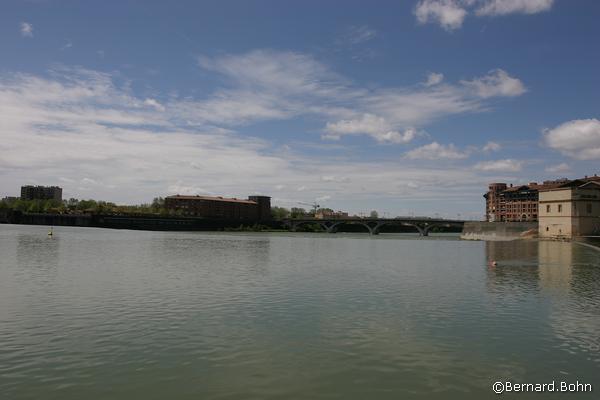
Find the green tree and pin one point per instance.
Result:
(279, 212)
(374, 214)
(297, 212)
(158, 203)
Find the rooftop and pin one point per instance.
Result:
(211, 198)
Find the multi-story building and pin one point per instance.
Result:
(255, 208)
(492, 201)
(519, 203)
(570, 210)
(327, 214)
(30, 192)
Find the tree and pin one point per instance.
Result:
(158, 203)
(374, 214)
(298, 212)
(279, 212)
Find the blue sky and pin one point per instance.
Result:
(407, 107)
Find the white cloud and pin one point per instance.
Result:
(504, 7)
(434, 79)
(578, 138)
(358, 34)
(269, 85)
(74, 126)
(491, 146)
(372, 125)
(67, 45)
(436, 151)
(26, 29)
(330, 178)
(559, 169)
(276, 72)
(450, 14)
(496, 83)
(507, 165)
(154, 104)
(323, 198)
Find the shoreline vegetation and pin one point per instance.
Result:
(94, 213)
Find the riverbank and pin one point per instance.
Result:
(160, 222)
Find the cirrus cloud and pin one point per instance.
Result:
(504, 7)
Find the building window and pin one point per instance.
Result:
(560, 208)
(548, 208)
(588, 207)
(547, 228)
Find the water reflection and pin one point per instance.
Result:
(128, 314)
(512, 266)
(38, 255)
(544, 264)
(561, 275)
(555, 263)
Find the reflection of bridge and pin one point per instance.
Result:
(422, 225)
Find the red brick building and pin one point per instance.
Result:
(518, 203)
(255, 208)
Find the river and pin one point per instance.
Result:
(116, 314)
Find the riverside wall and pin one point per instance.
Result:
(139, 222)
(500, 231)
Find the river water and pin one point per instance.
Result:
(111, 314)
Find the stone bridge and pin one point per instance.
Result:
(422, 225)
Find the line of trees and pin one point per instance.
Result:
(295, 212)
(157, 206)
(76, 206)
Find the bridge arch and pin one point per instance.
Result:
(335, 225)
(295, 224)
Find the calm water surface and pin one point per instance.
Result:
(107, 314)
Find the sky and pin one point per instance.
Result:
(405, 107)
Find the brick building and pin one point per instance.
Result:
(519, 203)
(41, 193)
(255, 208)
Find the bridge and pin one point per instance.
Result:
(331, 225)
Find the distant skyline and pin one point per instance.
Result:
(398, 106)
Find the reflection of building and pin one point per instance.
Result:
(520, 202)
(41, 193)
(329, 214)
(572, 209)
(555, 264)
(256, 208)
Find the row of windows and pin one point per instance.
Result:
(588, 208)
